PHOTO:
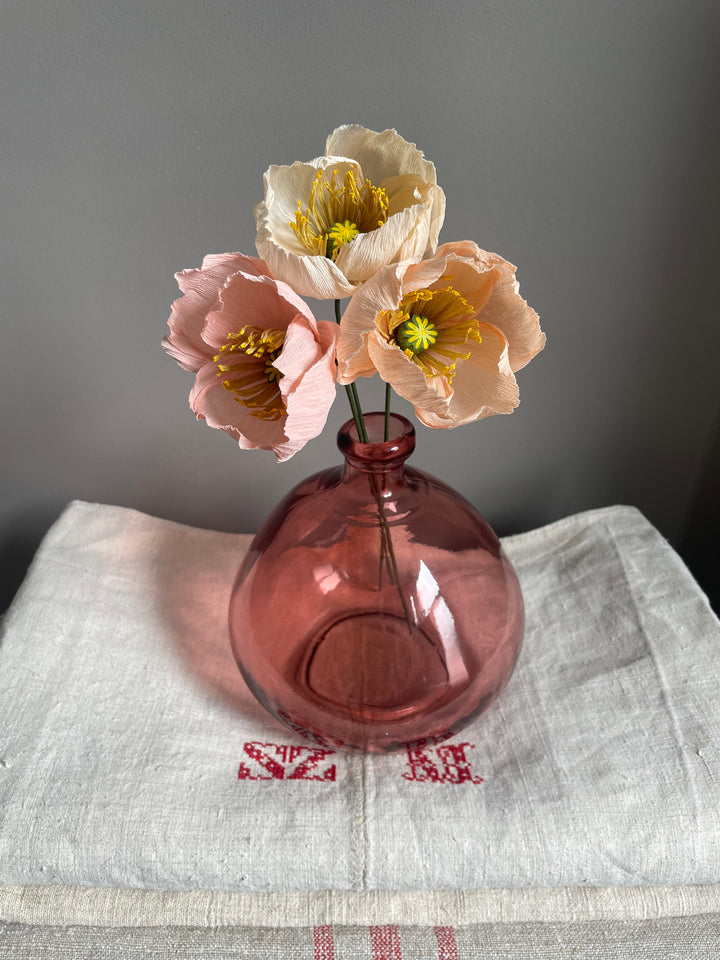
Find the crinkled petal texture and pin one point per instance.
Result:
(408, 229)
(468, 371)
(265, 368)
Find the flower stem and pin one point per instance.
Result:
(387, 550)
(352, 394)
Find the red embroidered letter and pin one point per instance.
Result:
(302, 770)
(260, 756)
(455, 765)
(421, 767)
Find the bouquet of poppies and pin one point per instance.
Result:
(444, 327)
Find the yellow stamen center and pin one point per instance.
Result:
(246, 361)
(337, 211)
(433, 328)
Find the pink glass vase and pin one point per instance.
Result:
(376, 610)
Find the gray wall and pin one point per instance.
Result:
(577, 139)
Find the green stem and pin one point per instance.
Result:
(387, 551)
(352, 394)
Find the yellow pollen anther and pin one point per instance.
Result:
(433, 328)
(246, 363)
(272, 373)
(337, 210)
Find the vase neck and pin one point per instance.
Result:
(385, 458)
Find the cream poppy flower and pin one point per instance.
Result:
(447, 334)
(328, 225)
(265, 368)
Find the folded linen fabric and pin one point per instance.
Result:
(132, 754)
(681, 938)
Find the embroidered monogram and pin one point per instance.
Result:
(445, 764)
(286, 762)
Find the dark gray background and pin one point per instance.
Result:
(579, 140)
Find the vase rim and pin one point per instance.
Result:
(377, 451)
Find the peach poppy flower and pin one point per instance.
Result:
(328, 225)
(265, 368)
(447, 334)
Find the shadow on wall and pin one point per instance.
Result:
(700, 545)
(691, 298)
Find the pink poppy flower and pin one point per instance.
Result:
(265, 368)
(328, 225)
(447, 334)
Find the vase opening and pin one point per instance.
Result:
(377, 453)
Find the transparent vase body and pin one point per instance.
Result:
(375, 609)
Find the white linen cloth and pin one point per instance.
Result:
(132, 754)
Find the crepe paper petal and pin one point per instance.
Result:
(380, 155)
(505, 308)
(200, 288)
(308, 384)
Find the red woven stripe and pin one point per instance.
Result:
(385, 943)
(324, 943)
(447, 945)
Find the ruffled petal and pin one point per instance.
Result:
(462, 248)
(380, 155)
(358, 321)
(213, 403)
(484, 385)
(509, 312)
(310, 276)
(300, 351)
(476, 279)
(255, 301)
(406, 377)
(437, 218)
(427, 273)
(403, 236)
(308, 385)
(284, 187)
(200, 288)
(503, 307)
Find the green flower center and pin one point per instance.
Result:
(433, 328)
(416, 334)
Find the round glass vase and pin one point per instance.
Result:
(375, 610)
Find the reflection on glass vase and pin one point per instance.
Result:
(375, 609)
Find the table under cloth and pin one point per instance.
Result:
(150, 807)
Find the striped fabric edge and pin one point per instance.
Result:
(59, 905)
